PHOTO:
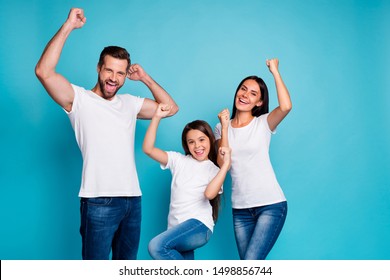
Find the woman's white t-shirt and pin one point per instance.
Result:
(253, 179)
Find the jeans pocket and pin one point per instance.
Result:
(100, 201)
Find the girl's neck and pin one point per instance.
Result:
(242, 119)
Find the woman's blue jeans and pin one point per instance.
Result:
(180, 241)
(257, 229)
(110, 223)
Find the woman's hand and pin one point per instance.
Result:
(223, 117)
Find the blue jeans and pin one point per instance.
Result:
(180, 241)
(110, 223)
(256, 229)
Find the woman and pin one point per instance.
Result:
(259, 205)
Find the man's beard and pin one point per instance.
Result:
(107, 95)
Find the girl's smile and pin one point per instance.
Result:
(198, 144)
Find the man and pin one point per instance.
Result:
(104, 125)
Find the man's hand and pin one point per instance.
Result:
(76, 18)
(136, 72)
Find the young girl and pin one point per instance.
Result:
(259, 205)
(195, 188)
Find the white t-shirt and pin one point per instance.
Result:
(253, 179)
(105, 131)
(189, 181)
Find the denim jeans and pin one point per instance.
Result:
(110, 223)
(180, 241)
(256, 229)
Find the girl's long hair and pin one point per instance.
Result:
(206, 129)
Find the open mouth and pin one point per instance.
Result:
(111, 87)
(243, 101)
(199, 152)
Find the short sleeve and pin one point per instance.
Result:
(173, 160)
(77, 91)
(139, 103)
(264, 121)
(218, 131)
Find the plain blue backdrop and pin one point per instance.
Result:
(331, 155)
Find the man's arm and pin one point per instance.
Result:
(58, 87)
(137, 73)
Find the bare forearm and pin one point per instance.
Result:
(284, 99)
(150, 136)
(223, 142)
(215, 185)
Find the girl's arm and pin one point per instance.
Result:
(214, 187)
(285, 106)
(148, 147)
(223, 117)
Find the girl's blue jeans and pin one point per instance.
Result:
(180, 241)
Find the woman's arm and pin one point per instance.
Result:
(285, 105)
(223, 117)
(150, 137)
(214, 187)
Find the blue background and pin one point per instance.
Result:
(331, 154)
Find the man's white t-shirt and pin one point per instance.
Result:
(189, 181)
(105, 132)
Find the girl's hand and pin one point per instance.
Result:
(223, 117)
(273, 65)
(225, 154)
(162, 110)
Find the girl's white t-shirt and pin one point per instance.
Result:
(189, 181)
(253, 179)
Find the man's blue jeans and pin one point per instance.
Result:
(180, 241)
(110, 223)
(257, 229)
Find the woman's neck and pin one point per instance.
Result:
(242, 119)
